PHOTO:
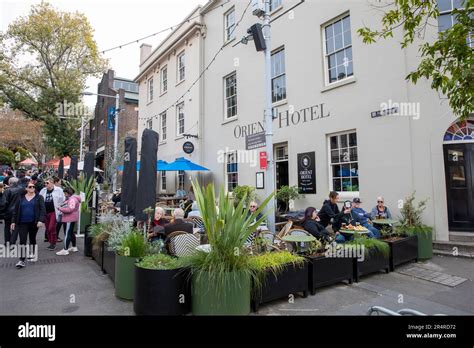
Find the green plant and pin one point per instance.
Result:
(287, 193)
(159, 262)
(274, 261)
(410, 220)
(82, 184)
(370, 245)
(105, 186)
(228, 228)
(133, 245)
(246, 191)
(6, 156)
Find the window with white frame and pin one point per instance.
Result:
(181, 66)
(180, 119)
(149, 123)
(338, 50)
(163, 126)
(164, 79)
(180, 179)
(229, 19)
(344, 162)
(447, 19)
(278, 76)
(232, 175)
(230, 95)
(274, 4)
(163, 181)
(150, 89)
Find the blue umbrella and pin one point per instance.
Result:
(160, 166)
(184, 164)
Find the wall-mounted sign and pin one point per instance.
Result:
(111, 118)
(260, 180)
(188, 147)
(307, 173)
(384, 112)
(263, 160)
(255, 141)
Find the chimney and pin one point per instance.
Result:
(145, 50)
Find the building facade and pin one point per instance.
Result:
(101, 127)
(345, 118)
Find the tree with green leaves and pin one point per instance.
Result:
(448, 61)
(45, 59)
(6, 156)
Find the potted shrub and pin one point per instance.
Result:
(281, 274)
(240, 192)
(285, 194)
(161, 286)
(222, 277)
(329, 264)
(374, 256)
(411, 225)
(98, 235)
(133, 246)
(403, 247)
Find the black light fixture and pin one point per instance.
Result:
(257, 34)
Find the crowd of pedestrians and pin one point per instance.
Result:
(30, 200)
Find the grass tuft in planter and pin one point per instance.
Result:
(376, 256)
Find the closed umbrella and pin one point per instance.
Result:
(129, 178)
(72, 171)
(89, 160)
(146, 193)
(61, 169)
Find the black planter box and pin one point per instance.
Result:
(402, 251)
(372, 263)
(161, 292)
(292, 280)
(98, 254)
(88, 242)
(325, 271)
(109, 262)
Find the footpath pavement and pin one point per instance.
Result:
(74, 285)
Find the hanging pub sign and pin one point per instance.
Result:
(111, 118)
(255, 141)
(307, 173)
(188, 147)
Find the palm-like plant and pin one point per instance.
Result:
(228, 228)
(82, 184)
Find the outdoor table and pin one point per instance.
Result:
(384, 221)
(350, 233)
(298, 239)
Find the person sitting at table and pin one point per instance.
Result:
(194, 210)
(345, 217)
(362, 217)
(253, 206)
(180, 193)
(178, 223)
(158, 225)
(330, 211)
(380, 211)
(312, 225)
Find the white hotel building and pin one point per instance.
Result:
(333, 97)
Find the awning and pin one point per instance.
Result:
(184, 164)
(55, 162)
(160, 166)
(28, 162)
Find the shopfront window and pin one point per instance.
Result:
(344, 162)
(232, 175)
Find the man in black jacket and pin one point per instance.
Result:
(178, 224)
(330, 212)
(12, 197)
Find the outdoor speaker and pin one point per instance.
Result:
(257, 34)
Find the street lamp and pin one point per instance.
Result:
(117, 109)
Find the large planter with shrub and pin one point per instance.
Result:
(402, 250)
(290, 280)
(88, 242)
(124, 276)
(161, 291)
(85, 220)
(376, 256)
(98, 253)
(324, 271)
(109, 262)
(230, 295)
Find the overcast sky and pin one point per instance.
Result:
(115, 22)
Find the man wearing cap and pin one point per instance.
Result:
(363, 217)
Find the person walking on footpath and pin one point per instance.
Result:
(12, 195)
(29, 215)
(59, 224)
(70, 215)
(53, 198)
